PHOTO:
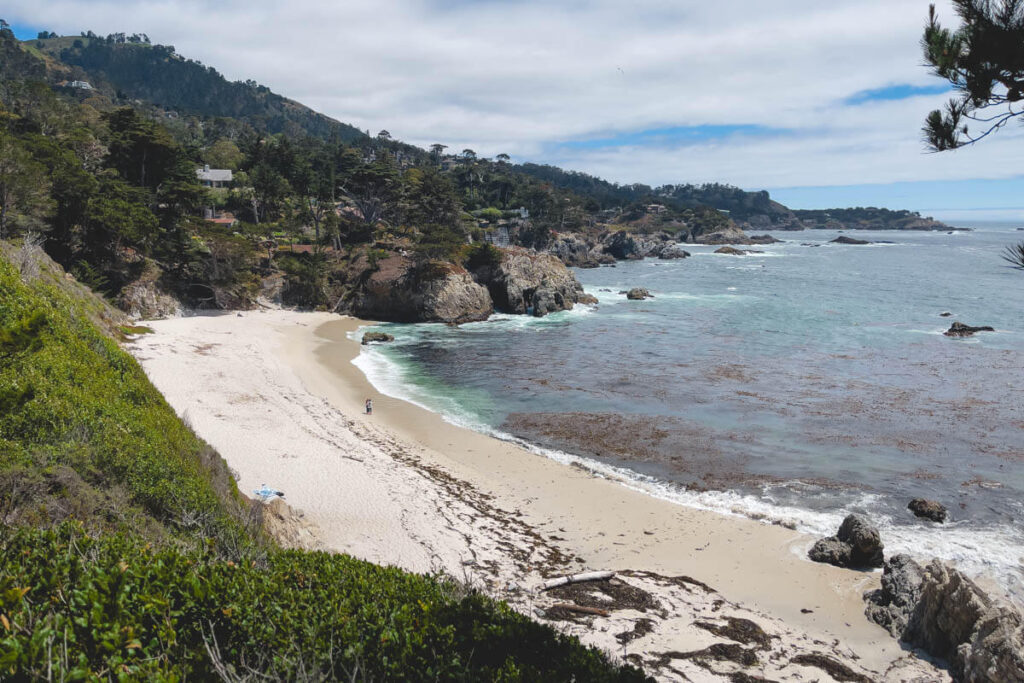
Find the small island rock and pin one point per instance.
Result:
(961, 330)
(638, 294)
(928, 509)
(843, 239)
(730, 250)
(369, 337)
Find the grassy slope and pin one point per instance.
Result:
(124, 550)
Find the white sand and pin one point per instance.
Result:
(276, 394)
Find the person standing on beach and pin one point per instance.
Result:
(369, 407)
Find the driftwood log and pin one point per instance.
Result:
(577, 578)
(580, 609)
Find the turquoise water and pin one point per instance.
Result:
(798, 384)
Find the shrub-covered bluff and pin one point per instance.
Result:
(126, 549)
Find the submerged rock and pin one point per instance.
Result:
(843, 239)
(369, 337)
(856, 545)
(928, 509)
(941, 611)
(638, 294)
(961, 330)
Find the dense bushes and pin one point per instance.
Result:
(113, 607)
(72, 399)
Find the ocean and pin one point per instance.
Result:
(793, 386)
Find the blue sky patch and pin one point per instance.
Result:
(668, 136)
(895, 92)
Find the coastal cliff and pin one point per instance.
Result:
(528, 282)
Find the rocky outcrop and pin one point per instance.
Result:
(528, 282)
(672, 251)
(892, 606)
(961, 330)
(733, 251)
(762, 239)
(402, 291)
(573, 250)
(928, 509)
(372, 337)
(638, 294)
(941, 611)
(729, 235)
(843, 239)
(624, 245)
(857, 545)
(144, 298)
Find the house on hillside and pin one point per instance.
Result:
(655, 208)
(222, 218)
(80, 85)
(214, 177)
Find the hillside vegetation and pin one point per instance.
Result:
(126, 549)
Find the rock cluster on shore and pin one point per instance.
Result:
(941, 611)
(857, 545)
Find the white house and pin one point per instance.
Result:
(81, 85)
(214, 177)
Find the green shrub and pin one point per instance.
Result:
(72, 398)
(83, 608)
(483, 254)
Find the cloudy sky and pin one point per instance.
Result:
(819, 102)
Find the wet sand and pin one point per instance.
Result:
(276, 393)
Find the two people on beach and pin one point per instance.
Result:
(369, 406)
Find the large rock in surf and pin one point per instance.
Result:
(941, 611)
(857, 545)
(672, 251)
(928, 509)
(370, 337)
(843, 239)
(638, 294)
(730, 234)
(733, 251)
(401, 290)
(525, 281)
(961, 330)
(623, 245)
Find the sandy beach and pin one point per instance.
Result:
(277, 394)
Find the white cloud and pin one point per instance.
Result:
(523, 77)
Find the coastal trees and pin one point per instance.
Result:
(983, 59)
(24, 188)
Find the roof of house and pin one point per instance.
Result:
(222, 175)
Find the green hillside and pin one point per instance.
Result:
(126, 71)
(126, 550)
